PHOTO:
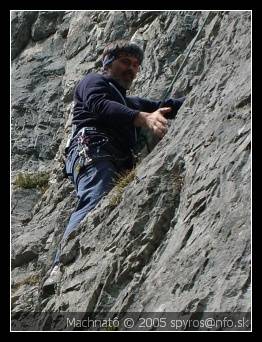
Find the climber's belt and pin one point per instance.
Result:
(93, 145)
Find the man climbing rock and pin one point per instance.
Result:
(106, 126)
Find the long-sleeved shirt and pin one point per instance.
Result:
(99, 104)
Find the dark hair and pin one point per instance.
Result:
(118, 46)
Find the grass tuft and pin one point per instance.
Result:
(37, 180)
(122, 182)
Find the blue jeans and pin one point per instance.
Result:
(92, 183)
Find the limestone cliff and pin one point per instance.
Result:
(179, 238)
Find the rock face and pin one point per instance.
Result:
(179, 239)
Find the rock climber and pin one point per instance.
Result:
(106, 126)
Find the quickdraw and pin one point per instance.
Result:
(84, 143)
(89, 141)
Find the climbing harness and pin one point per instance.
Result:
(88, 138)
(94, 145)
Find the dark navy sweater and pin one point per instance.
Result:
(98, 104)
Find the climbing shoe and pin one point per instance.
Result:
(50, 283)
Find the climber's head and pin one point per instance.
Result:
(121, 61)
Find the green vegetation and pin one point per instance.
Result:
(178, 182)
(121, 184)
(37, 180)
(30, 280)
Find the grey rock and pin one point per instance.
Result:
(23, 201)
(45, 24)
(37, 74)
(21, 22)
(179, 240)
